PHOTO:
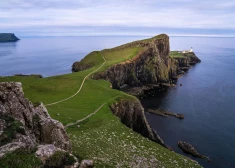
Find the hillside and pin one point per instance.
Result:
(103, 137)
(8, 37)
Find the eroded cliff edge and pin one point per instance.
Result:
(131, 113)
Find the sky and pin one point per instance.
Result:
(118, 17)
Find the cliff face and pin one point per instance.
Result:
(150, 66)
(188, 60)
(131, 113)
(23, 125)
(8, 37)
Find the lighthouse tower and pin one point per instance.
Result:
(191, 50)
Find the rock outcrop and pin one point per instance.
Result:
(165, 113)
(8, 37)
(188, 148)
(44, 152)
(131, 113)
(188, 60)
(22, 124)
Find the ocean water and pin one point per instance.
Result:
(50, 56)
(206, 97)
(207, 100)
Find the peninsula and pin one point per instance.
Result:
(104, 123)
(8, 37)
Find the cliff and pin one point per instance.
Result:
(8, 37)
(152, 65)
(131, 113)
(25, 127)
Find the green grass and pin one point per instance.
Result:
(20, 159)
(176, 54)
(102, 137)
(59, 159)
(112, 57)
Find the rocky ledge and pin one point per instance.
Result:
(8, 37)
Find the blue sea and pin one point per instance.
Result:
(206, 97)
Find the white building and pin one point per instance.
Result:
(188, 51)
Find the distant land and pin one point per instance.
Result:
(8, 37)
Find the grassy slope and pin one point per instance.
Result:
(176, 54)
(101, 137)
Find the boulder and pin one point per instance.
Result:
(87, 164)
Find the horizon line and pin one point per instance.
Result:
(124, 35)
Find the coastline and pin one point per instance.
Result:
(132, 119)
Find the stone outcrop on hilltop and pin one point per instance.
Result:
(8, 37)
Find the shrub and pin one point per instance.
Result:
(21, 158)
(59, 159)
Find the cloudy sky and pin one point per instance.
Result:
(117, 17)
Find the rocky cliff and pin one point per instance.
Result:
(187, 60)
(8, 37)
(22, 124)
(131, 113)
(27, 129)
(151, 66)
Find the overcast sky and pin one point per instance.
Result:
(117, 17)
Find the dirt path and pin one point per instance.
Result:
(78, 121)
(81, 84)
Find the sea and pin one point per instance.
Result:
(206, 97)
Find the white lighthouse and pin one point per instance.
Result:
(187, 51)
(191, 50)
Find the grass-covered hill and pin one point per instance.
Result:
(102, 137)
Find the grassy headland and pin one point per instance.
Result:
(102, 137)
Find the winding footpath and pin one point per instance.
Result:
(81, 84)
(78, 121)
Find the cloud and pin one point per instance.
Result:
(41, 16)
